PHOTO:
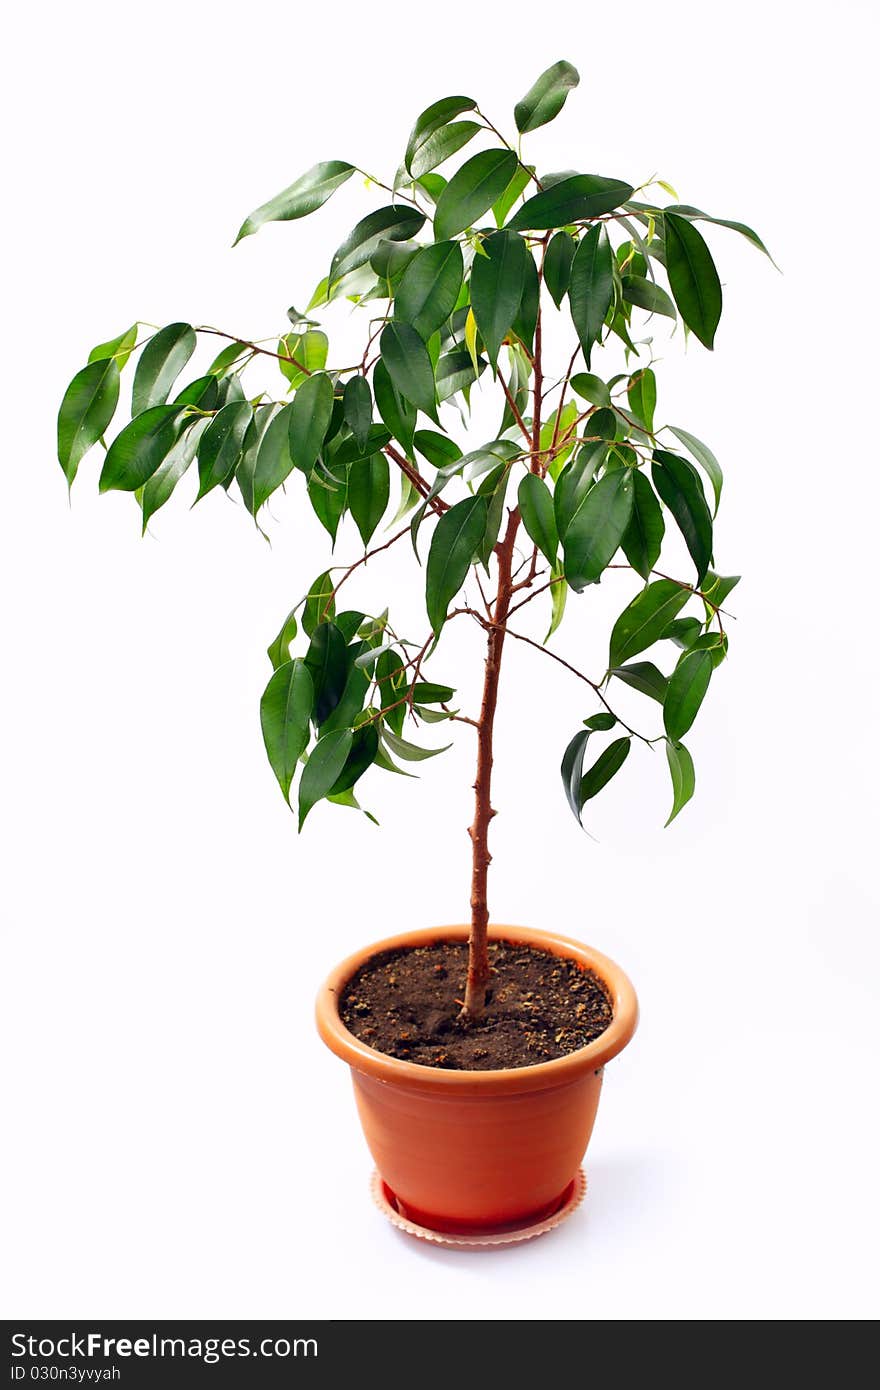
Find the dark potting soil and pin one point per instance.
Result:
(539, 1006)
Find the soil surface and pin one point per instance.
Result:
(539, 1006)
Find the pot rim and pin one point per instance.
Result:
(509, 1081)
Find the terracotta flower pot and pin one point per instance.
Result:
(472, 1150)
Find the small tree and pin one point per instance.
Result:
(576, 473)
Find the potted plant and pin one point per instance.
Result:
(476, 1050)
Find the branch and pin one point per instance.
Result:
(264, 352)
(419, 483)
(515, 410)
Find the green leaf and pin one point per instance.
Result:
(501, 207)
(160, 364)
(204, 393)
(494, 489)
(391, 258)
(221, 445)
(557, 265)
(472, 191)
(139, 449)
(454, 543)
(394, 223)
(715, 643)
(354, 693)
(410, 752)
(574, 199)
(705, 458)
(306, 194)
(609, 761)
(278, 651)
(228, 357)
(683, 632)
(679, 486)
(694, 214)
(644, 534)
(438, 449)
(646, 295)
(323, 769)
(693, 278)
(320, 604)
(716, 587)
(546, 98)
(526, 320)
(274, 461)
(357, 408)
(397, 413)
(392, 684)
(591, 287)
(368, 488)
(441, 144)
(409, 366)
(641, 392)
(455, 372)
(327, 661)
(687, 686)
(558, 596)
(310, 414)
(601, 722)
(432, 119)
(644, 621)
(424, 693)
(572, 770)
(596, 528)
(644, 677)
(429, 287)
(328, 494)
(592, 388)
(497, 281)
(681, 770)
(246, 468)
(159, 487)
(309, 349)
(120, 349)
(86, 410)
(348, 450)
(536, 507)
(284, 716)
(362, 754)
(574, 482)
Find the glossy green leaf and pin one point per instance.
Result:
(601, 722)
(432, 119)
(139, 449)
(693, 278)
(576, 198)
(228, 357)
(160, 364)
(221, 445)
(526, 320)
(301, 354)
(472, 191)
(278, 651)
(203, 393)
(455, 372)
(428, 290)
(398, 222)
(409, 366)
(546, 98)
(274, 461)
(425, 693)
(643, 536)
(644, 621)
(357, 405)
(679, 486)
(683, 632)
(157, 489)
(687, 686)
(454, 544)
(695, 215)
(310, 413)
(591, 287)
(536, 508)
(438, 449)
(392, 683)
(494, 489)
(644, 677)
(361, 755)
(641, 392)
(285, 710)
(502, 206)
(87, 408)
(323, 769)
(442, 143)
(557, 265)
(572, 770)
(497, 281)
(119, 348)
(574, 482)
(306, 194)
(681, 770)
(245, 470)
(558, 597)
(596, 528)
(348, 451)
(645, 294)
(320, 605)
(354, 693)
(715, 643)
(716, 587)
(328, 494)
(705, 458)
(397, 413)
(410, 752)
(327, 661)
(369, 484)
(592, 388)
(609, 762)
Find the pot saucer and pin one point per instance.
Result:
(484, 1240)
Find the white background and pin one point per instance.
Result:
(178, 1142)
